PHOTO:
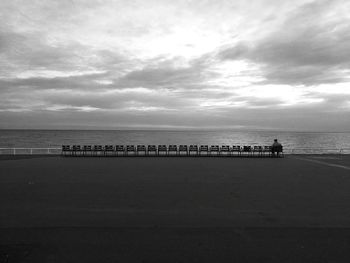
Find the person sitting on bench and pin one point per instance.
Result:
(276, 148)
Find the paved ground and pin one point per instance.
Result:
(294, 209)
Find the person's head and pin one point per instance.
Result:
(275, 140)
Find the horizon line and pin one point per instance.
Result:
(171, 129)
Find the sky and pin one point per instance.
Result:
(185, 64)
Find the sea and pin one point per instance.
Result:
(293, 142)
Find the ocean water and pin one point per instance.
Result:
(297, 142)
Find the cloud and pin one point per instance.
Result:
(198, 64)
(164, 74)
(311, 47)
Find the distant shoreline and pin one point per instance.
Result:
(171, 130)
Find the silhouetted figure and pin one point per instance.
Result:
(276, 148)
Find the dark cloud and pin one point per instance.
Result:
(21, 52)
(163, 77)
(171, 73)
(311, 47)
(80, 82)
(29, 51)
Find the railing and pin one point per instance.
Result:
(317, 151)
(30, 151)
(58, 151)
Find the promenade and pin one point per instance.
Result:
(292, 209)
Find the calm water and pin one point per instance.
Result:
(290, 140)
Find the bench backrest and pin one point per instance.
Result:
(87, 147)
(151, 148)
(203, 148)
(97, 148)
(130, 148)
(193, 148)
(66, 148)
(236, 148)
(172, 148)
(183, 148)
(225, 148)
(109, 148)
(141, 148)
(120, 148)
(257, 148)
(76, 148)
(247, 148)
(162, 148)
(214, 148)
